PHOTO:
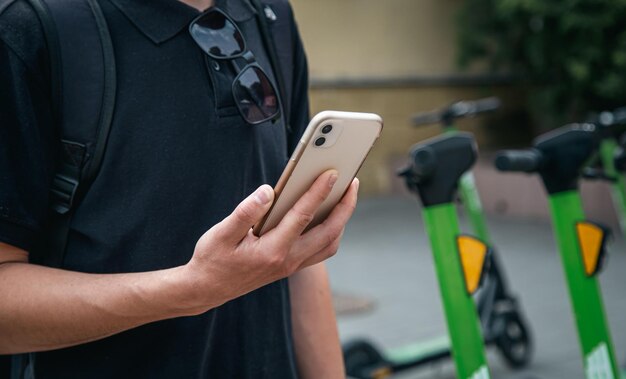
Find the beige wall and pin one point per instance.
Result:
(357, 38)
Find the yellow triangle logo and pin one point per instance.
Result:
(591, 239)
(472, 252)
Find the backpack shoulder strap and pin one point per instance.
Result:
(52, 41)
(275, 20)
(83, 89)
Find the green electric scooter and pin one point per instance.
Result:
(559, 157)
(468, 193)
(601, 164)
(434, 172)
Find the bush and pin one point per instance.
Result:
(572, 53)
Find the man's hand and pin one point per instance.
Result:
(231, 260)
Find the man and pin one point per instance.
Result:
(145, 290)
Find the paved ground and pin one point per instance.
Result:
(385, 257)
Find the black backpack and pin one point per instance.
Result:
(83, 82)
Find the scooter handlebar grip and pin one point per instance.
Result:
(487, 104)
(426, 118)
(518, 160)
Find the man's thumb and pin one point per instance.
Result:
(249, 212)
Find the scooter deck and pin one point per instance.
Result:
(420, 352)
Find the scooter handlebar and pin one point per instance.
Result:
(426, 118)
(488, 104)
(519, 160)
(459, 109)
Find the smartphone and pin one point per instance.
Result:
(332, 140)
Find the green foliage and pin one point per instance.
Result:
(572, 52)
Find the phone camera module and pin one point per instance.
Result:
(327, 129)
(320, 141)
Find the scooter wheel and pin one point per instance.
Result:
(362, 359)
(514, 341)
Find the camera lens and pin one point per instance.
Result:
(327, 129)
(320, 141)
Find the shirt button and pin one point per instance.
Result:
(216, 65)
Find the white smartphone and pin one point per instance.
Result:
(333, 140)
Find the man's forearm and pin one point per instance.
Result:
(318, 350)
(43, 308)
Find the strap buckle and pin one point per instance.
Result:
(67, 178)
(63, 192)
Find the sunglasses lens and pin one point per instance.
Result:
(255, 95)
(217, 35)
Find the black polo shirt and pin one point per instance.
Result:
(178, 160)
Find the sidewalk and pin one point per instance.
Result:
(385, 257)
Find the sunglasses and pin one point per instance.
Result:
(220, 38)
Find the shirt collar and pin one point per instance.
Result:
(161, 20)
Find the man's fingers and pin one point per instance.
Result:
(302, 213)
(330, 231)
(323, 254)
(249, 212)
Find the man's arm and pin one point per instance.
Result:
(44, 308)
(318, 350)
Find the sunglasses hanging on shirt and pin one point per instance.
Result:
(220, 38)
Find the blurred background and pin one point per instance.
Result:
(550, 63)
